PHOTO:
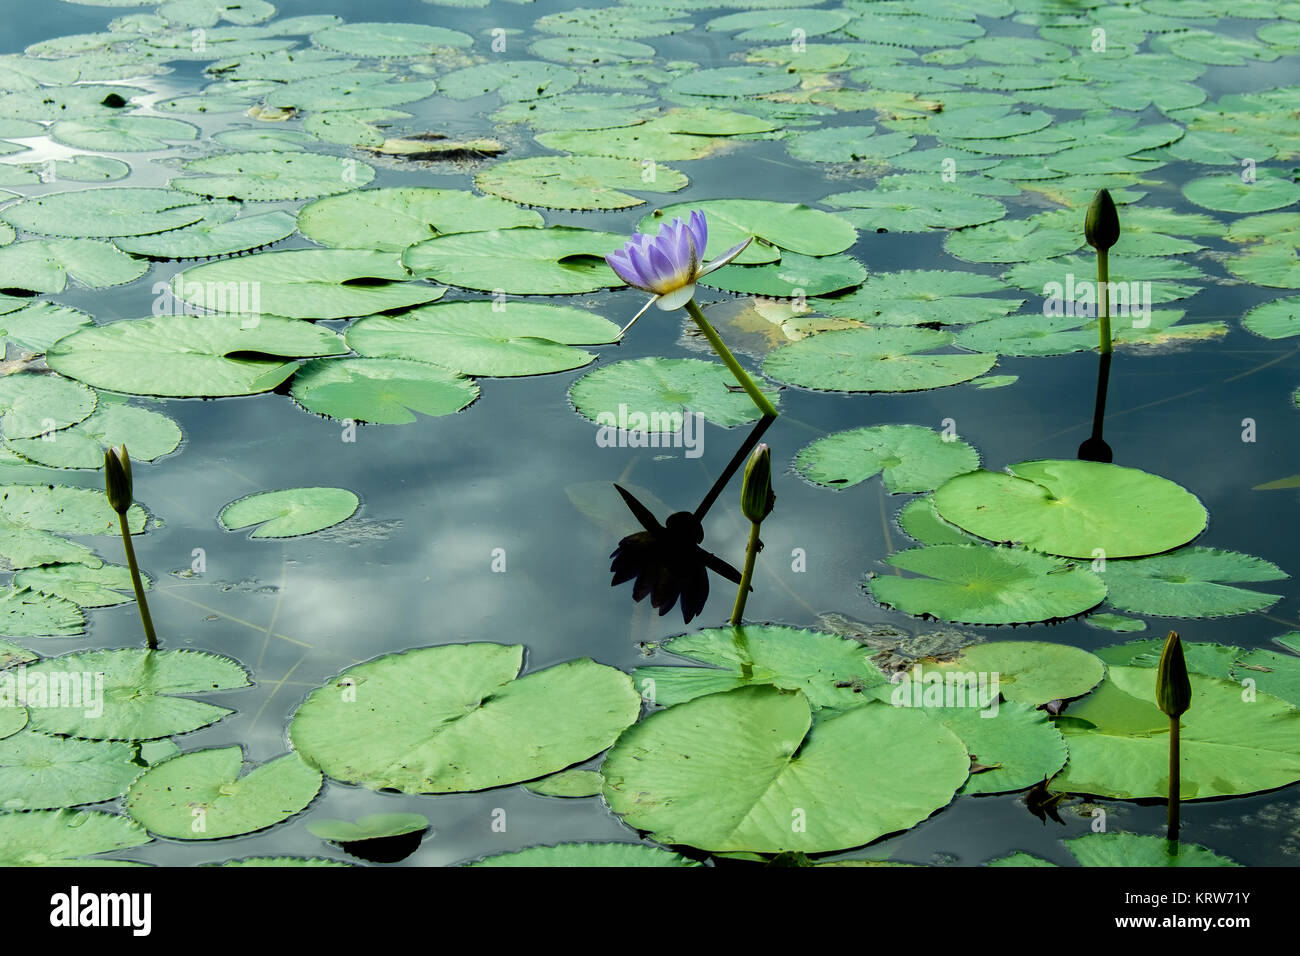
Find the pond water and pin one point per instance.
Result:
(469, 526)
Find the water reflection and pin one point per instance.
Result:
(1094, 447)
(667, 560)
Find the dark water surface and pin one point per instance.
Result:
(413, 568)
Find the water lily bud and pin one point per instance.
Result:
(756, 498)
(1173, 687)
(117, 479)
(1101, 225)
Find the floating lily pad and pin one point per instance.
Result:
(511, 80)
(875, 360)
(102, 213)
(588, 855)
(790, 226)
(795, 275)
(66, 838)
(81, 584)
(366, 95)
(46, 266)
(1275, 674)
(376, 826)
(40, 772)
(915, 210)
(389, 220)
(291, 512)
(1011, 748)
(908, 457)
(122, 134)
(458, 718)
(1230, 194)
(212, 237)
(383, 391)
(734, 772)
(203, 796)
(273, 175)
(921, 296)
(577, 182)
(1074, 508)
(848, 144)
(485, 338)
(1115, 622)
(1018, 240)
(183, 355)
(1139, 850)
(1192, 582)
(920, 521)
(1119, 745)
(389, 39)
(138, 693)
(974, 584)
(304, 284)
(149, 435)
(37, 405)
(1029, 672)
(555, 261)
(657, 392)
(832, 672)
(26, 613)
(1276, 319)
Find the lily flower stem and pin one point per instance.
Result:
(140, 602)
(1103, 299)
(1175, 784)
(747, 575)
(764, 404)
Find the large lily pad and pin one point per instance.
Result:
(1191, 582)
(457, 718)
(577, 182)
(791, 226)
(739, 771)
(555, 261)
(102, 213)
(974, 584)
(46, 265)
(140, 691)
(383, 391)
(657, 392)
(186, 355)
(41, 772)
(1079, 509)
(203, 796)
(909, 458)
(1029, 672)
(66, 838)
(875, 360)
(148, 434)
(273, 175)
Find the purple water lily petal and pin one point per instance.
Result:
(699, 233)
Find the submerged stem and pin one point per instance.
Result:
(1175, 783)
(140, 602)
(764, 404)
(746, 576)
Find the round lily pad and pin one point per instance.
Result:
(1276, 319)
(83, 585)
(909, 458)
(41, 772)
(654, 394)
(212, 236)
(875, 360)
(66, 838)
(382, 391)
(975, 584)
(915, 210)
(739, 771)
(790, 226)
(1230, 194)
(291, 512)
(37, 405)
(184, 355)
(389, 39)
(458, 718)
(1119, 745)
(138, 693)
(148, 434)
(46, 265)
(203, 795)
(98, 213)
(272, 175)
(1012, 747)
(555, 261)
(485, 338)
(795, 275)
(1079, 509)
(1030, 673)
(1191, 582)
(577, 182)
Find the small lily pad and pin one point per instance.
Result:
(291, 512)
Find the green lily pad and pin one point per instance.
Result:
(908, 457)
(793, 227)
(765, 26)
(139, 693)
(213, 236)
(920, 297)
(1119, 745)
(1019, 240)
(974, 584)
(202, 795)
(272, 175)
(738, 81)
(511, 80)
(389, 39)
(121, 134)
(376, 826)
(587, 855)
(795, 275)
(738, 771)
(458, 718)
(12, 719)
(35, 327)
(1115, 622)
(26, 613)
(1191, 582)
(919, 521)
(148, 434)
(848, 144)
(1011, 748)
(46, 265)
(915, 210)
(569, 783)
(389, 220)
(103, 213)
(366, 95)
(1139, 850)
(1029, 672)
(1230, 194)
(37, 405)
(485, 338)
(578, 182)
(1211, 660)
(66, 838)
(1274, 674)
(1275, 319)
(304, 284)
(658, 392)
(185, 355)
(291, 512)
(558, 260)
(382, 391)
(832, 672)
(84, 586)
(1074, 508)
(40, 772)
(874, 360)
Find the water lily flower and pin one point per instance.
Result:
(668, 265)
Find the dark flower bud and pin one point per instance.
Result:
(1101, 225)
(1173, 686)
(117, 479)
